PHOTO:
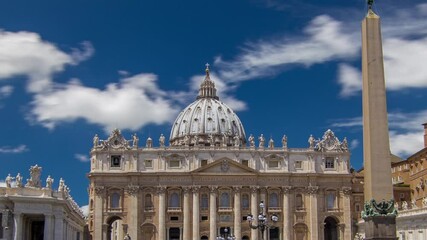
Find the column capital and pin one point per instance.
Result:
(213, 188)
(195, 189)
(286, 189)
(312, 190)
(347, 190)
(254, 189)
(186, 189)
(99, 190)
(237, 189)
(132, 190)
(161, 189)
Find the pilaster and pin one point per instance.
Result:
(161, 191)
(196, 214)
(254, 209)
(237, 213)
(132, 220)
(212, 212)
(314, 222)
(287, 220)
(186, 222)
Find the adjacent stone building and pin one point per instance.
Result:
(34, 212)
(211, 176)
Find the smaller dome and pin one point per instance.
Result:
(207, 121)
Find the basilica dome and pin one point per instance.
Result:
(207, 121)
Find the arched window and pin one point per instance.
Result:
(299, 203)
(205, 201)
(225, 200)
(331, 200)
(174, 200)
(115, 200)
(245, 201)
(273, 200)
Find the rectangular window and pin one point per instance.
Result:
(174, 163)
(115, 160)
(205, 218)
(148, 163)
(174, 218)
(245, 162)
(224, 218)
(329, 163)
(273, 164)
(204, 162)
(298, 164)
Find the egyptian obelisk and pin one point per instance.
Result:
(379, 213)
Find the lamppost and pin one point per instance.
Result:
(225, 236)
(262, 224)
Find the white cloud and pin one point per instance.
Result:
(81, 157)
(2, 183)
(406, 131)
(6, 91)
(422, 8)
(350, 79)
(26, 54)
(85, 210)
(325, 40)
(129, 104)
(354, 144)
(19, 149)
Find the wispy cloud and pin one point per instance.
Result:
(18, 149)
(85, 210)
(406, 133)
(81, 157)
(6, 91)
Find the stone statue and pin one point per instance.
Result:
(224, 139)
(162, 140)
(127, 237)
(196, 140)
(61, 187)
(344, 144)
(370, 3)
(271, 143)
(425, 202)
(135, 141)
(251, 141)
(404, 205)
(236, 141)
(18, 180)
(149, 143)
(34, 181)
(8, 181)
(261, 140)
(49, 182)
(211, 140)
(311, 141)
(186, 140)
(413, 204)
(95, 141)
(285, 142)
(396, 205)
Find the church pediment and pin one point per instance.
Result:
(225, 166)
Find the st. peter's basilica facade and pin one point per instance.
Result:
(210, 177)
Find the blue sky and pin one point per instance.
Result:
(71, 69)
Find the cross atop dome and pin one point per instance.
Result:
(207, 88)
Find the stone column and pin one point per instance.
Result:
(346, 208)
(254, 210)
(263, 198)
(212, 212)
(104, 231)
(48, 227)
(132, 219)
(287, 220)
(18, 225)
(161, 191)
(98, 211)
(314, 222)
(59, 226)
(237, 213)
(186, 221)
(196, 215)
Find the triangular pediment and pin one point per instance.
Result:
(225, 166)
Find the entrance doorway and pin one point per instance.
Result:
(274, 234)
(331, 229)
(174, 233)
(115, 229)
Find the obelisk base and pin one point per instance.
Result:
(380, 227)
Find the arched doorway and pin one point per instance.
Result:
(331, 229)
(245, 238)
(204, 238)
(148, 231)
(115, 228)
